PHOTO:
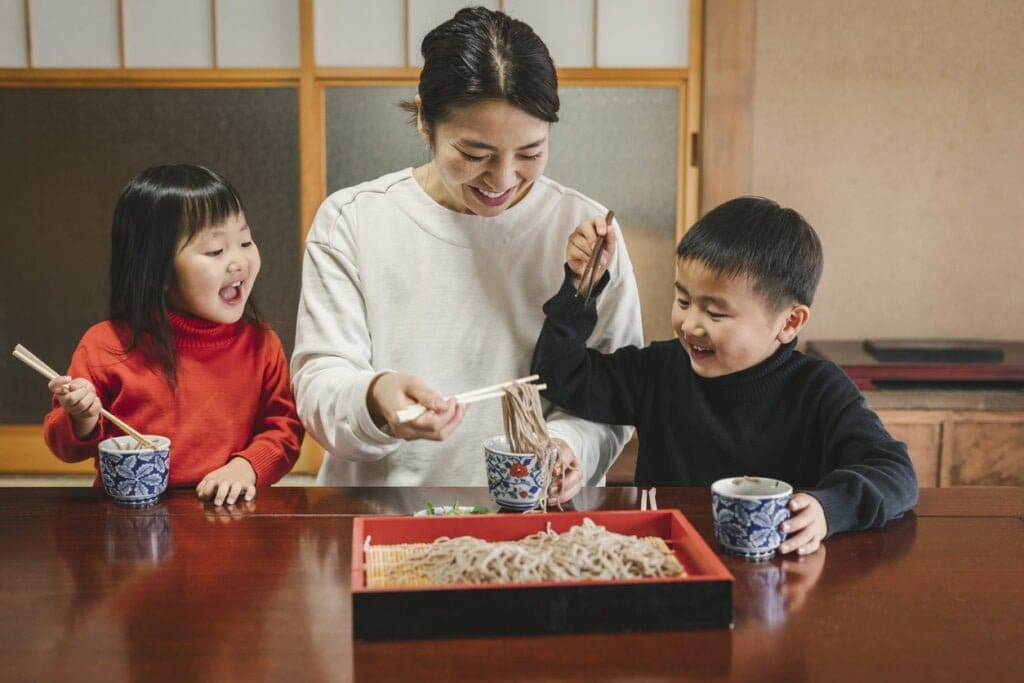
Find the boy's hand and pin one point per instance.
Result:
(806, 528)
(78, 397)
(226, 483)
(581, 244)
(567, 477)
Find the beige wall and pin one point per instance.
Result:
(897, 128)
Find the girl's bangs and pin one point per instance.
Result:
(207, 206)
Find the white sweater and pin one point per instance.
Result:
(391, 280)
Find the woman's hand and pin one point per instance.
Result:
(78, 397)
(226, 483)
(580, 248)
(567, 478)
(806, 528)
(391, 391)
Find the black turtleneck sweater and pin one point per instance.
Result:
(793, 417)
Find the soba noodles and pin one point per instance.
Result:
(526, 432)
(587, 551)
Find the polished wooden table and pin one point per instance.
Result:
(186, 592)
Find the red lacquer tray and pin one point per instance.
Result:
(701, 599)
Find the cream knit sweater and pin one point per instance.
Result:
(391, 280)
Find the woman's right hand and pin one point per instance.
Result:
(78, 397)
(580, 248)
(391, 391)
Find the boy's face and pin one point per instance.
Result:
(724, 325)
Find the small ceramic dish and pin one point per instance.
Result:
(452, 510)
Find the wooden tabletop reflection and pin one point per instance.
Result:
(186, 591)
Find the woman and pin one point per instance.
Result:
(427, 282)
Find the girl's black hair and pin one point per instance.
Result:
(159, 208)
(480, 55)
(756, 238)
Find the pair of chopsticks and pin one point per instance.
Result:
(649, 493)
(481, 394)
(33, 361)
(587, 280)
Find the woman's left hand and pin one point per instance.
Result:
(225, 484)
(568, 477)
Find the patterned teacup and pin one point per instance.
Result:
(514, 479)
(748, 513)
(132, 474)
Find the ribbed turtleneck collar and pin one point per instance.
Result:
(196, 333)
(755, 382)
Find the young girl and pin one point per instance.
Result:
(184, 354)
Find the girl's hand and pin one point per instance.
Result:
(392, 391)
(806, 528)
(78, 397)
(581, 245)
(226, 483)
(567, 477)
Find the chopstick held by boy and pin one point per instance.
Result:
(731, 395)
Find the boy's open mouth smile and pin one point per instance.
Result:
(698, 351)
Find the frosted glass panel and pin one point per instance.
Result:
(566, 27)
(347, 33)
(643, 33)
(167, 34)
(67, 154)
(368, 135)
(617, 145)
(257, 33)
(620, 146)
(424, 15)
(74, 34)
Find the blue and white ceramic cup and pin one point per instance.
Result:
(748, 513)
(134, 475)
(514, 479)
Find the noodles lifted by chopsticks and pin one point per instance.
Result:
(526, 432)
(587, 551)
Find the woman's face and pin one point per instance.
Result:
(486, 157)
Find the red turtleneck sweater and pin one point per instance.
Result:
(233, 398)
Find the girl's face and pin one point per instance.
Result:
(486, 157)
(724, 325)
(215, 271)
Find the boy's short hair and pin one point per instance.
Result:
(755, 237)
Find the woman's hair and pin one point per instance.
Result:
(756, 238)
(481, 55)
(158, 209)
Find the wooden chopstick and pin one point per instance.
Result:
(587, 280)
(481, 394)
(33, 361)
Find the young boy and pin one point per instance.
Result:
(731, 395)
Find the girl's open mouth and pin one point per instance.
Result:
(232, 293)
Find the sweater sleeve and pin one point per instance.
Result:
(277, 432)
(596, 440)
(331, 362)
(58, 432)
(596, 387)
(869, 478)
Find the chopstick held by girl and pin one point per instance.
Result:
(184, 353)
